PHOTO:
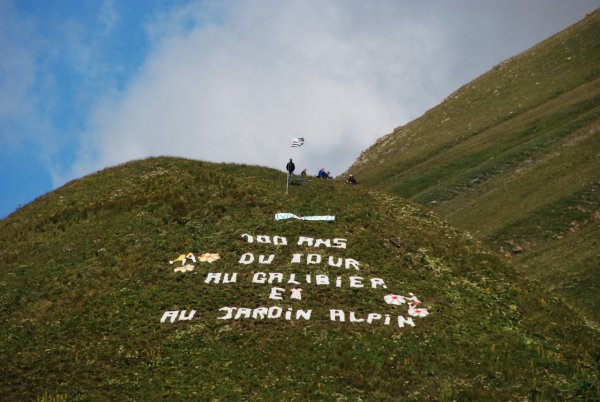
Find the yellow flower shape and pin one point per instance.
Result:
(183, 258)
(209, 257)
(185, 268)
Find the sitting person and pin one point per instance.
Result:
(322, 174)
(329, 176)
(303, 173)
(351, 180)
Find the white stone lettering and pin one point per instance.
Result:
(313, 259)
(308, 240)
(351, 262)
(259, 277)
(296, 294)
(303, 314)
(302, 241)
(339, 243)
(183, 317)
(372, 317)
(402, 321)
(322, 280)
(247, 258)
(279, 240)
(326, 242)
(262, 260)
(243, 313)
(275, 277)
(263, 239)
(318, 279)
(169, 315)
(228, 313)
(213, 277)
(377, 282)
(260, 313)
(356, 282)
(387, 320)
(276, 293)
(354, 319)
(219, 277)
(274, 312)
(337, 315)
(332, 261)
(292, 280)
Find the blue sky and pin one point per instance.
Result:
(90, 84)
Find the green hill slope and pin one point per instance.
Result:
(514, 157)
(93, 308)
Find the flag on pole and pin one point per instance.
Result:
(297, 142)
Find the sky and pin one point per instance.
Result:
(89, 84)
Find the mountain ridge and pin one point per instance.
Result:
(513, 158)
(91, 281)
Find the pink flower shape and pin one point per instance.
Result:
(185, 268)
(417, 312)
(209, 257)
(414, 301)
(394, 299)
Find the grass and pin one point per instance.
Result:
(509, 157)
(85, 280)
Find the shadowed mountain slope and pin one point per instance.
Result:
(514, 158)
(93, 308)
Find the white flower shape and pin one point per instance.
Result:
(417, 312)
(185, 268)
(209, 257)
(394, 299)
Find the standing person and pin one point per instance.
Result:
(290, 168)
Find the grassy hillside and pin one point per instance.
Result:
(514, 157)
(86, 278)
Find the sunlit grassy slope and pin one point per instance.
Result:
(85, 279)
(514, 157)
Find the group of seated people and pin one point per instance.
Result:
(324, 175)
(327, 175)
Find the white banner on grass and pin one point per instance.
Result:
(285, 215)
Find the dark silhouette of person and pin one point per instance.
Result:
(351, 180)
(290, 168)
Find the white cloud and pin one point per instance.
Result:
(240, 89)
(235, 81)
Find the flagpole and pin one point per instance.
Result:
(296, 142)
(287, 176)
(287, 179)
